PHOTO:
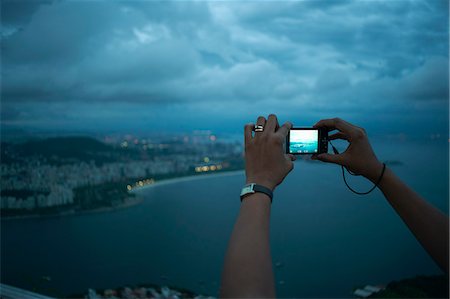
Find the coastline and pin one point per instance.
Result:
(130, 202)
(126, 204)
(187, 179)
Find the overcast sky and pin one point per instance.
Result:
(178, 66)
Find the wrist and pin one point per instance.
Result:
(257, 198)
(375, 173)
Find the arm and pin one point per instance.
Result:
(248, 264)
(428, 224)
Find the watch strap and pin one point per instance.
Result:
(253, 188)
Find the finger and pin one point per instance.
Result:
(284, 129)
(337, 159)
(248, 128)
(336, 123)
(338, 135)
(272, 123)
(291, 157)
(261, 121)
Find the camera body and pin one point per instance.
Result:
(307, 141)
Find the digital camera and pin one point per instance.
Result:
(307, 141)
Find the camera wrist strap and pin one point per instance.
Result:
(354, 174)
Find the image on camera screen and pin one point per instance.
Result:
(303, 141)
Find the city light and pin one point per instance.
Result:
(140, 183)
(207, 168)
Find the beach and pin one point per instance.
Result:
(187, 179)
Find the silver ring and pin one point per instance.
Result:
(259, 128)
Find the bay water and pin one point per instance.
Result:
(325, 240)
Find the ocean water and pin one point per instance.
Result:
(325, 239)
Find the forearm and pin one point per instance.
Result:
(428, 224)
(248, 265)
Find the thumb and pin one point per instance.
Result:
(337, 159)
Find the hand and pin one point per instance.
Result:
(359, 156)
(266, 163)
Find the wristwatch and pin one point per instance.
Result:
(253, 188)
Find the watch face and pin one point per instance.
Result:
(247, 189)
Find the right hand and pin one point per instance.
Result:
(359, 156)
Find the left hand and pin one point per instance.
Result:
(266, 163)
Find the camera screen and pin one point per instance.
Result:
(303, 141)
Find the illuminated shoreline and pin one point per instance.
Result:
(187, 178)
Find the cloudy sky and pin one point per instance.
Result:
(178, 66)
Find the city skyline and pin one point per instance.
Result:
(179, 66)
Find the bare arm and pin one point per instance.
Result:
(428, 224)
(248, 264)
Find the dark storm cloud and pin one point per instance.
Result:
(16, 13)
(315, 55)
